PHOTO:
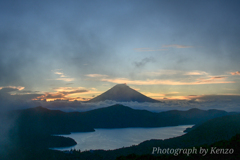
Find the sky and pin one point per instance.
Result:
(76, 50)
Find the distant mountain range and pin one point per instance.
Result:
(122, 93)
(40, 119)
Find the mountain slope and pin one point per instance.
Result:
(119, 116)
(122, 93)
(41, 120)
(230, 147)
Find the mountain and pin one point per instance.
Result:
(41, 120)
(122, 93)
(120, 116)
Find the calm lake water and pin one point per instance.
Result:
(122, 137)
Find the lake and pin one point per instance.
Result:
(109, 139)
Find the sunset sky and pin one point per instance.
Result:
(75, 50)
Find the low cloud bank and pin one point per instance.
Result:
(222, 102)
(227, 103)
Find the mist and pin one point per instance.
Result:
(226, 103)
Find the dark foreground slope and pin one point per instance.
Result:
(224, 149)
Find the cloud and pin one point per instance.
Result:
(204, 102)
(62, 93)
(175, 72)
(196, 73)
(235, 73)
(96, 75)
(52, 96)
(154, 95)
(27, 92)
(58, 73)
(13, 87)
(15, 94)
(63, 77)
(212, 80)
(66, 94)
(144, 61)
(8, 103)
(218, 77)
(137, 89)
(75, 91)
(68, 89)
(167, 82)
(161, 49)
(148, 49)
(161, 96)
(162, 72)
(176, 46)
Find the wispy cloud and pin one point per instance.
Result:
(60, 73)
(163, 48)
(161, 72)
(96, 75)
(62, 93)
(218, 77)
(173, 77)
(176, 46)
(68, 89)
(196, 73)
(147, 49)
(67, 94)
(137, 89)
(63, 77)
(174, 72)
(13, 87)
(144, 61)
(167, 82)
(172, 98)
(235, 73)
(154, 95)
(69, 83)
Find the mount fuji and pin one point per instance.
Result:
(122, 93)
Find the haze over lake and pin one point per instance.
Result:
(109, 139)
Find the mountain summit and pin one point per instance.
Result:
(122, 93)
